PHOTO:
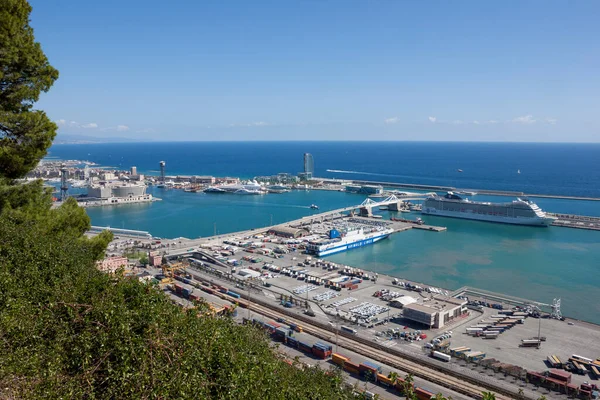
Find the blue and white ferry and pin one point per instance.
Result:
(338, 242)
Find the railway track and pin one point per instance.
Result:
(416, 366)
(450, 382)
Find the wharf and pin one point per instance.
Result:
(576, 221)
(479, 191)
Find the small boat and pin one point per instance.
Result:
(459, 170)
(518, 171)
(314, 206)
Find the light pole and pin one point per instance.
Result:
(336, 334)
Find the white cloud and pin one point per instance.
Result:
(145, 130)
(61, 122)
(457, 122)
(392, 120)
(432, 119)
(122, 128)
(525, 119)
(91, 125)
(475, 122)
(493, 121)
(551, 121)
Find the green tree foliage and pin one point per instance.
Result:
(488, 396)
(25, 72)
(70, 331)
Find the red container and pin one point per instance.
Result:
(423, 394)
(178, 289)
(353, 287)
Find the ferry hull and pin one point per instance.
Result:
(349, 246)
(543, 222)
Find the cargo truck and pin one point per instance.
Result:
(441, 356)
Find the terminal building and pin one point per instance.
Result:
(437, 313)
(105, 190)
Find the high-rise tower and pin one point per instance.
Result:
(309, 166)
(64, 185)
(162, 171)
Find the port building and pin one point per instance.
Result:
(437, 312)
(105, 190)
(288, 232)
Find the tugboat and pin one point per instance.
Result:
(314, 206)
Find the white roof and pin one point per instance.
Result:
(404, 300)
(248, 272)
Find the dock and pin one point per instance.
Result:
(479, 191)
(576, 221)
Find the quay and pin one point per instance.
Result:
(576, 221)
(479, 191)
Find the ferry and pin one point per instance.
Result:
(518, 212)
(337, 242)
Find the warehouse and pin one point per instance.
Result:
(437, 312)
(288, 232)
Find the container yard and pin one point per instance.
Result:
(400, 315)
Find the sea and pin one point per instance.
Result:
(540, 264)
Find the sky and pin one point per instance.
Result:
(323, 70)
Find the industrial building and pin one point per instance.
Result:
(105, 190)
(288, 232)
(437, 312)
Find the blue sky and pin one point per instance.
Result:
(331, 70)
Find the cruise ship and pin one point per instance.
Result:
(518, 212)
(338, 242)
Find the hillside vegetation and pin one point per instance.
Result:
(67, 330)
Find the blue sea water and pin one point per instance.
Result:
(566, 169)
(535, 263)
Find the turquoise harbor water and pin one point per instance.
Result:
(535, 263)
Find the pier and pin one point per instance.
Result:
(576, 221)
(479, 191)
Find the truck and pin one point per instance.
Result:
(441, 356)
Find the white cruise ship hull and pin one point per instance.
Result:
(350, 245)
(538, 221)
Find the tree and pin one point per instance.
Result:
(488, 396)
(25, 134)
(69, 331)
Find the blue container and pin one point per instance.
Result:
(374, 366)
(324, 346)
(280, 332)
(185, 280)
(354, 281)
(305, 347)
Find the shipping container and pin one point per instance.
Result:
(562, 376)
(423, 394)
(351, 367)
(304, 347)
(338, 359)
(324, 346)
(292, 342)
(384, 380)
(233, 294)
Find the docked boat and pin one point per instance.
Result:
(467, 193)
(248, 188)
(518, 212)
(337, 241)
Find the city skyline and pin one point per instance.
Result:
(330, 71)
